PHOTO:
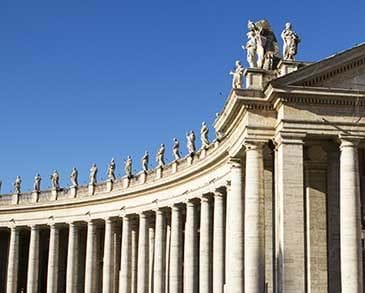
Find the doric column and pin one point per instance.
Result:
(91, 258)
(108, 266)
(191, 272)
(206, 245)
(33, 261)
(142, 277)
(125, 272)
(289, 214)
(72, 258)
(218, 242)
(176, 250)
(351, 251)
(254, 219)
(53, 259)
(151, 250)
(13, 262)
(234, 230)
(134, 257)
(159, 259)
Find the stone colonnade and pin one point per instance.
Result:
(211, 243)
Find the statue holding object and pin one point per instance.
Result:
(237, 74)
(291, 41)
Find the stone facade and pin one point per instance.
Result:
(274, 205)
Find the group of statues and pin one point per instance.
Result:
(160, 159)
(263, 50)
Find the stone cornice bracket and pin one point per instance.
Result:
(288, 138)
(347, 140)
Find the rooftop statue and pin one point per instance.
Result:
(74, 177)
(92, 175)
(17, 184)
(55, 180)
(111, 170)
(176, 149)
(262, 43)
(190, 137)
(128, 167)
(160, 157)
(204, 131)
(291, 41)
(237, 74)
(1, 183)
(37, 183)
(145, 160)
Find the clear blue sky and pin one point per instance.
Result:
(85, 81)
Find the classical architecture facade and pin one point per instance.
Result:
(274, 204)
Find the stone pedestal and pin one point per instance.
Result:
(286, 66)
(203, 153)
(159, 172)
(257, 79)
(73, 190)
(54, 194)
(15, 198)
(109, 185)
(35, 196)
(190, 159)
(174, 166)
(91, 189)
(126, 182)
(143, 177)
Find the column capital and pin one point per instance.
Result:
(177, 206)
(235, 162)
(288, 138)
(254, 144)
(206, 197)
(349, 140)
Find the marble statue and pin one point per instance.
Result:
(160, 157)
(176, 149)
(74, 177)
(237, 74)
(128, 167)
(111, 170)
(1, 184)
(55, 180)
(17, 184)
(37, 183)
(204, 130)
(291, 41)
(262, 43)
(92, 175)
(190, 137)
(145, 160)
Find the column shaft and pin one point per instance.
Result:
(134, 258)
(13, 262)
(191, 250)
(72, 258)
(142, 277)
(91, 278)
(234, 228)
(176, 251)
(206, 244)
(53, 259)
(351, 251)
(33, 261)
(125, 272)
(218, 243)
(159, 259)
(254, 220)
(108, 266)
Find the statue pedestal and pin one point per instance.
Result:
(35, 196)
(159, 172)
(73, 190)
(143, 177)
(54, 194)
(286, 66)
(126, 182)
(203, 153)
(190, 159)
(257, 79)
(109, 185)
(174, 166)
(91, 189)
(15, 198)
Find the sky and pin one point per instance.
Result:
(82, 82)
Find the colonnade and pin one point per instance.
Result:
(211, 243)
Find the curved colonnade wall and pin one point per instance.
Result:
(258, 211)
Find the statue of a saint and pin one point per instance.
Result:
(251, 49)
(74, 177)
(176, 149)
(37, 183)
(17, 184)
(111, 170)
(204, 130)
(190, 137)
(291, 41)
(144, 161)
(237, 74)
(160, 157)
(55, 180)
(92, 175)
(128, 167)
